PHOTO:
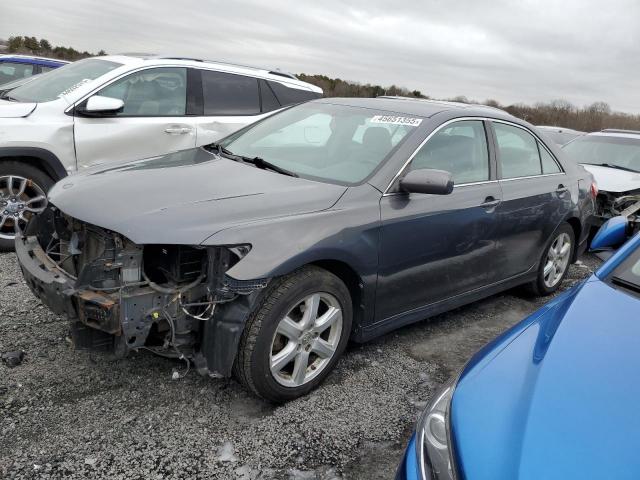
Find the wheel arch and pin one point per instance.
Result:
(576, 225)
(352, 281)
(43, 159)
(220, 338)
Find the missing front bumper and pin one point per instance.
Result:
(127, 317)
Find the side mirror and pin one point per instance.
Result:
(612, 233)
(100, 105)
(435, 182)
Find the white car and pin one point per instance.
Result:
(613, 157)
(116, 108)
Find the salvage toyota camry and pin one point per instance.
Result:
(337, 219)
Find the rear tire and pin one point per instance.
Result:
(295, 335)
(14, 199)
(555, 261)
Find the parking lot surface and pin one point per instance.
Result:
(65, 413)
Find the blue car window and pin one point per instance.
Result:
(10, 71)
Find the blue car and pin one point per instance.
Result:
(16, 67)
(555, 397)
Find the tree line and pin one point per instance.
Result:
(32, 46)
(336, 87)
(590, 118)
(561, 113)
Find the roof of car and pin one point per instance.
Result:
(613, 132)
(33, 60)
(151, 59)
(559, 129)
(419, 106)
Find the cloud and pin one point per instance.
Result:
(511, 51)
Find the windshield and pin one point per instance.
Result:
(623, 152)
(62, 81)
(336, 143)
(5, 87)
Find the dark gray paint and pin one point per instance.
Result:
(185, 197)
(414, 254)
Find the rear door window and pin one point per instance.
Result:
(549, 164)
(229, 94)
(517, 151)
(289, 95)
(269, 100)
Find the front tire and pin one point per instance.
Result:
(23, 194)
(295, 336)
(555, 261)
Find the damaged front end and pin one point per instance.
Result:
(175, 300)
(624, 204)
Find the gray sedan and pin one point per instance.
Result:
(337, 219)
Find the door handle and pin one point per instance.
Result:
(177, 130)
(490, 202)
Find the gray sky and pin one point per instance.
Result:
(513, 51)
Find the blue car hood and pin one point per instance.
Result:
(557, 396)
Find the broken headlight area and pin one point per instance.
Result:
(122, 296)
(626, 204)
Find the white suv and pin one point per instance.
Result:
(114, 108)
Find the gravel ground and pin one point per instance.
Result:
(68, 414)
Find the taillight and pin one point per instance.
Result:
(594, 190)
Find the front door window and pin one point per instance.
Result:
(156, 92)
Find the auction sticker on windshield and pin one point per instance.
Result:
(395, 120)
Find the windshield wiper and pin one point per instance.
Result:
(266, 165)
(256, 161)
(217, 148)
(611, 165)
(625, 284)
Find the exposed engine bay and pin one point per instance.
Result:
(626, 204)
(173, 300)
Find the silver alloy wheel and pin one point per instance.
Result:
(306, 340)
(557, 260)
(20, 199)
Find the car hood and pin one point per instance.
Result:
(15, 109)
(185, 197)
(614, 180)
(557, 398)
